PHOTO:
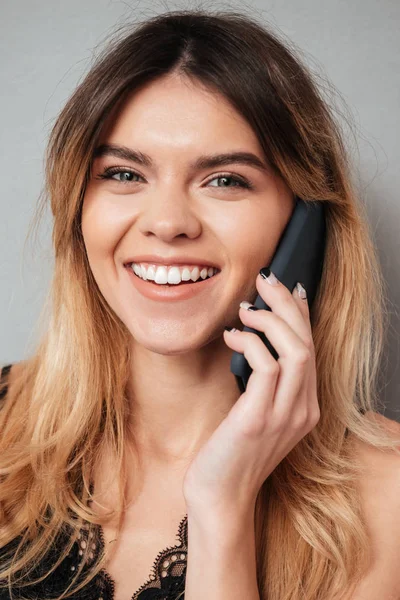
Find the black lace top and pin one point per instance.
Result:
(166, 580)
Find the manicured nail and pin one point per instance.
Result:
(247, 305)
(232, 329)
(301, 290)
(269, 276)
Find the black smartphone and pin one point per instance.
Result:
(299, 257)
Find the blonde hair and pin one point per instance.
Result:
(67, 404)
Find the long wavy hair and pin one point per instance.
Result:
(67, 405)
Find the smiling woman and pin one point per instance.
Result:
(128, 458)
(179, 193)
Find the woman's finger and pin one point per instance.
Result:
(256, 403)
(286, 305)
(286, 341)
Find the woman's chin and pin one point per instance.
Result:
(173, 342)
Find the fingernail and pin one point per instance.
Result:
(247, 305)
(269, 276)
(301, 290)
(233, 329)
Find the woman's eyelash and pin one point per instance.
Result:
(110, 172)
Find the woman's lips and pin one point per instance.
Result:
(170, 292)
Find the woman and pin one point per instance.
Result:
(129, 459)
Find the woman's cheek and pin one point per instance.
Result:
(102, 227)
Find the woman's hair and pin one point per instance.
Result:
(68, 405)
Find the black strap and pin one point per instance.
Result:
(3, 379)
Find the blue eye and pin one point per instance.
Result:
(109, 174)
(240, 182)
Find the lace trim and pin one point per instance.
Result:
(167, 575)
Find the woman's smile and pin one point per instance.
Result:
(185, 290)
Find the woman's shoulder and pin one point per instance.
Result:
(389, 424)
(389, 427)
(378, 460)
(380, 479)
(12, 370)
(9, 373)
(379, 487)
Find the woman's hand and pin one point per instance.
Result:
(278, 408)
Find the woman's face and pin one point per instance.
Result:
(169, 207)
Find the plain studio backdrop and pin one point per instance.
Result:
(46, 48)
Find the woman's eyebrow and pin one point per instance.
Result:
(202, 162)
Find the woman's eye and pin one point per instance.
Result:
(128, 177)
(239, 181)
(109, 174)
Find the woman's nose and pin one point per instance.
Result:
(169, 214)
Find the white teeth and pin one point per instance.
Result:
(173, 275)
(150, 273)
(185, 274)
(162, 275)
(136, 269)
(195, 274)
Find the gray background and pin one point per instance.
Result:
(47, 46)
